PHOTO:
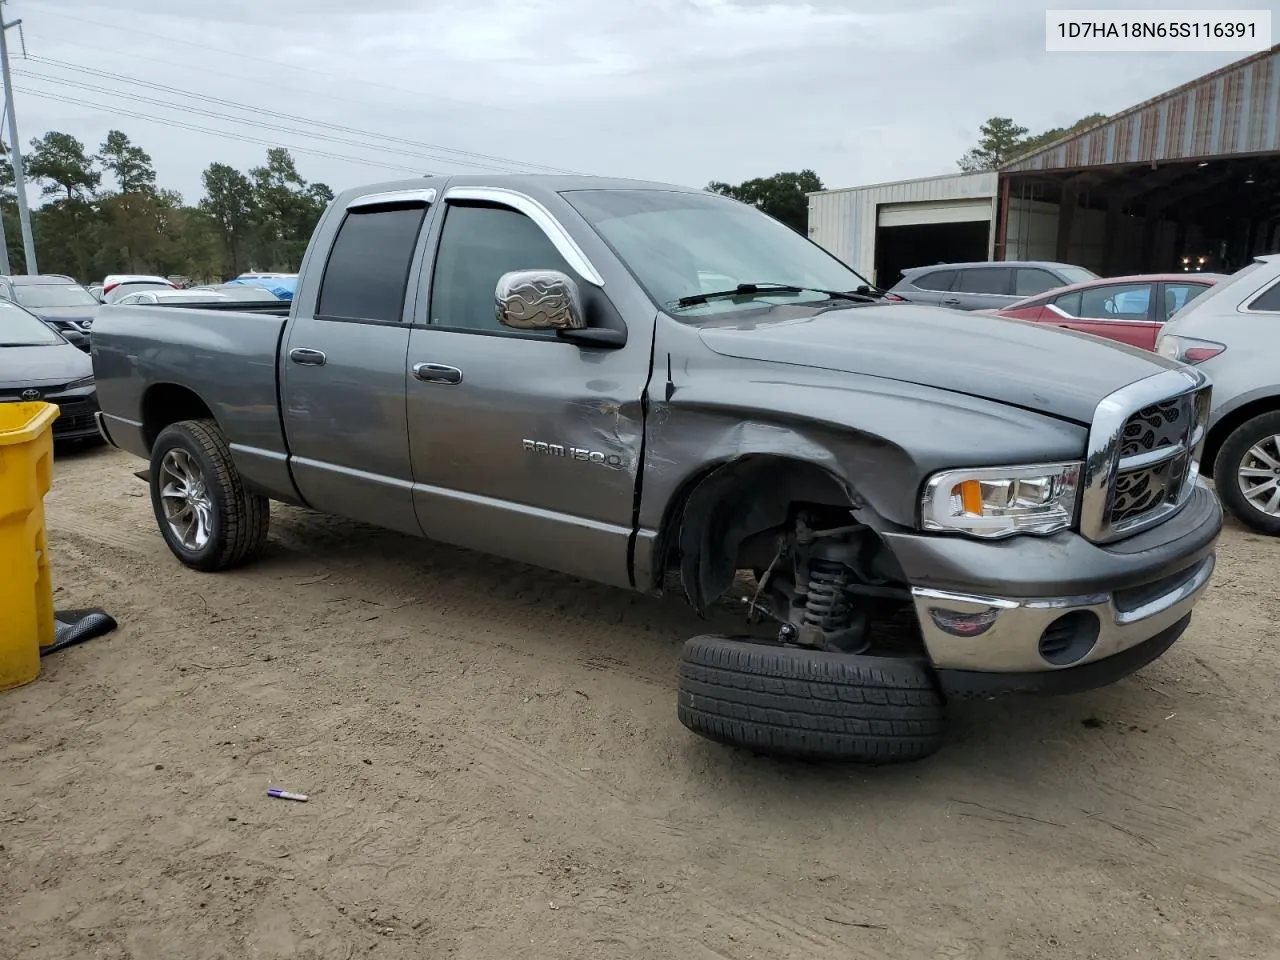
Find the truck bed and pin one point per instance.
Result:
(227, 359)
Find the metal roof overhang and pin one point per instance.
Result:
(1234, 111)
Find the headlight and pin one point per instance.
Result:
(1187, 349)
(82, 382)
(999, 502)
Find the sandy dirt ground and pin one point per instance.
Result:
(496, 769)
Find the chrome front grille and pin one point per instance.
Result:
(1144, 450)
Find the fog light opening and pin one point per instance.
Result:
(1070, 637)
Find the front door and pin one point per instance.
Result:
(523, 445)
(343, 372)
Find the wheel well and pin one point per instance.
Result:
(709, 525)
(1228, 424)
(167, 403)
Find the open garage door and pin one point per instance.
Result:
(942, 211)
(919, 234)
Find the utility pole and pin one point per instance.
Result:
(19, 179)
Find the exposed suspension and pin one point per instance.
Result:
(827, 605)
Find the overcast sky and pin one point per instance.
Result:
(686, 91)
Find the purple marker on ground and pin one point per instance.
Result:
(286, 795)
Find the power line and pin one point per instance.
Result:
(166, 122)
(133, 33)
(466, 155)
(186, 108)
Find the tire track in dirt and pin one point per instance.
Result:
(508, 763)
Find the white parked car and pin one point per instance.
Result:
(1230, 333)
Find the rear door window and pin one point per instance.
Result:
(935, 280)
(368, 268)
(1028, 281)
(991, 280)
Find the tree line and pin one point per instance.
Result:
(102, 212)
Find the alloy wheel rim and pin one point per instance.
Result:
(1259, 476)
(185, 499)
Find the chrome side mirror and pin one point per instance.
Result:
(538, 300)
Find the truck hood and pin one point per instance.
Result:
(1048, 370)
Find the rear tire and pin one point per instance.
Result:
(1262, 431)
(795, 702)
(220, 525)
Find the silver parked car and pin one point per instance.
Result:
(1230, 333)
(986, 285)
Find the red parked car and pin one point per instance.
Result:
(1128, 309)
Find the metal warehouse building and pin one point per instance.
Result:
(1188, 180)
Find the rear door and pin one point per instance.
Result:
(343, 365)
(982, 288)
(927, 287)
(1124, 312)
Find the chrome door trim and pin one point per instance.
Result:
(546, 221)
(425, 197)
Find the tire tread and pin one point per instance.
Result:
(809, 704)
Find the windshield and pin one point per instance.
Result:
(53, 295)
(1077, 274)
(680, 244)
(20, 329)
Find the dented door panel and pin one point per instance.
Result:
(534, 454)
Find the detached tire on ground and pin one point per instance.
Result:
(792, 702)
(205, 514)
(1249, 447)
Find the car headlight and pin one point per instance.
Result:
(82, 382)
(996, 502)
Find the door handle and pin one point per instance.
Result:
(307, 357)
(950, 301)
(437, 373)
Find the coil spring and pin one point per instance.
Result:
(827, 605)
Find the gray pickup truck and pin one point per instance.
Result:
(644, 385)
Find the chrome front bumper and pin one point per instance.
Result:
(989, 634)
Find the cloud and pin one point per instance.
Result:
(680, 90)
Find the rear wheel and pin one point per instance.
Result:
(205, 515)
(1247, 473)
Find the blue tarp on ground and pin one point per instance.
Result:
(282, 287)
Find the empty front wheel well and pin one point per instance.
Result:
(709, 527)
(167, 403)
(1228, 425)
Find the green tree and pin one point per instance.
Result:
(286, 208)
(1001, 140)
(1031, 144)
(783, 196)
(229, 204)
(59, 162)
(129, 164)
(998, 142)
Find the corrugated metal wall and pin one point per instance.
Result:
(844, 221)
(1231, 111)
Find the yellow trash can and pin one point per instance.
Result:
(26, 588)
